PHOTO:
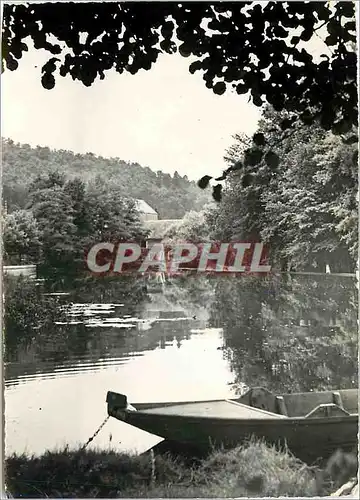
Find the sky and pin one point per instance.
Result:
(164, 118)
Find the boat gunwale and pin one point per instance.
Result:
(143, 407)
(288, 420)
(157, 404)
(273, 418)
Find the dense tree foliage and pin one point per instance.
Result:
(63, 219)
(170, 196)
(242, 45)
(305, 208)
(21, 237)
(193, 227)
(263, 50)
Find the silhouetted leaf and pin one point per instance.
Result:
(334, 27)
(351, 140)
(350, 26)
(259, 139)
(347, 9)
(257, 101)
(306, 34)
(48, 81)
(272, 160)
(204, 181)
(217, 192)
(168, 46)
(184, 50)
(331, 40)
(219, 88)
(167, 29)
(222, 177)
(11, 63)
(238, 165)
(196, 65)
(286, 124)
(253, 157)
(242, 89)
(280, 32)
(246, 180)
(50, 66)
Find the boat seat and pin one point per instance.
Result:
(350, 400)
(281, 406)
(327, 410)
(337, 399)
(302, 404)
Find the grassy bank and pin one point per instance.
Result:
(250, 470)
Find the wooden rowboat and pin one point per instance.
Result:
(312, 425)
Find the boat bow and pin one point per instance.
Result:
(118, 405)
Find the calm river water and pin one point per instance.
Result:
(192, 339)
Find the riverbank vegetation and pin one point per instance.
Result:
(246, 471)
(29, 313)
(35, 316)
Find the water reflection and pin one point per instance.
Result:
(291, 333)
(200, 338)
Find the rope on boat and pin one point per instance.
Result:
(95, 433)
(152, 454)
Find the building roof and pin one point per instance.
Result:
(144, 207)
(158, 228)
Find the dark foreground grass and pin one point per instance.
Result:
(250, 470)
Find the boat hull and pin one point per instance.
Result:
(307, 440)
(204, 425)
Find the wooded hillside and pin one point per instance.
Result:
(171, 196)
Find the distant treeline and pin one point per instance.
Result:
(170, 196)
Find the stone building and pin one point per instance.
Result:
(157, 227)
(145, 211)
